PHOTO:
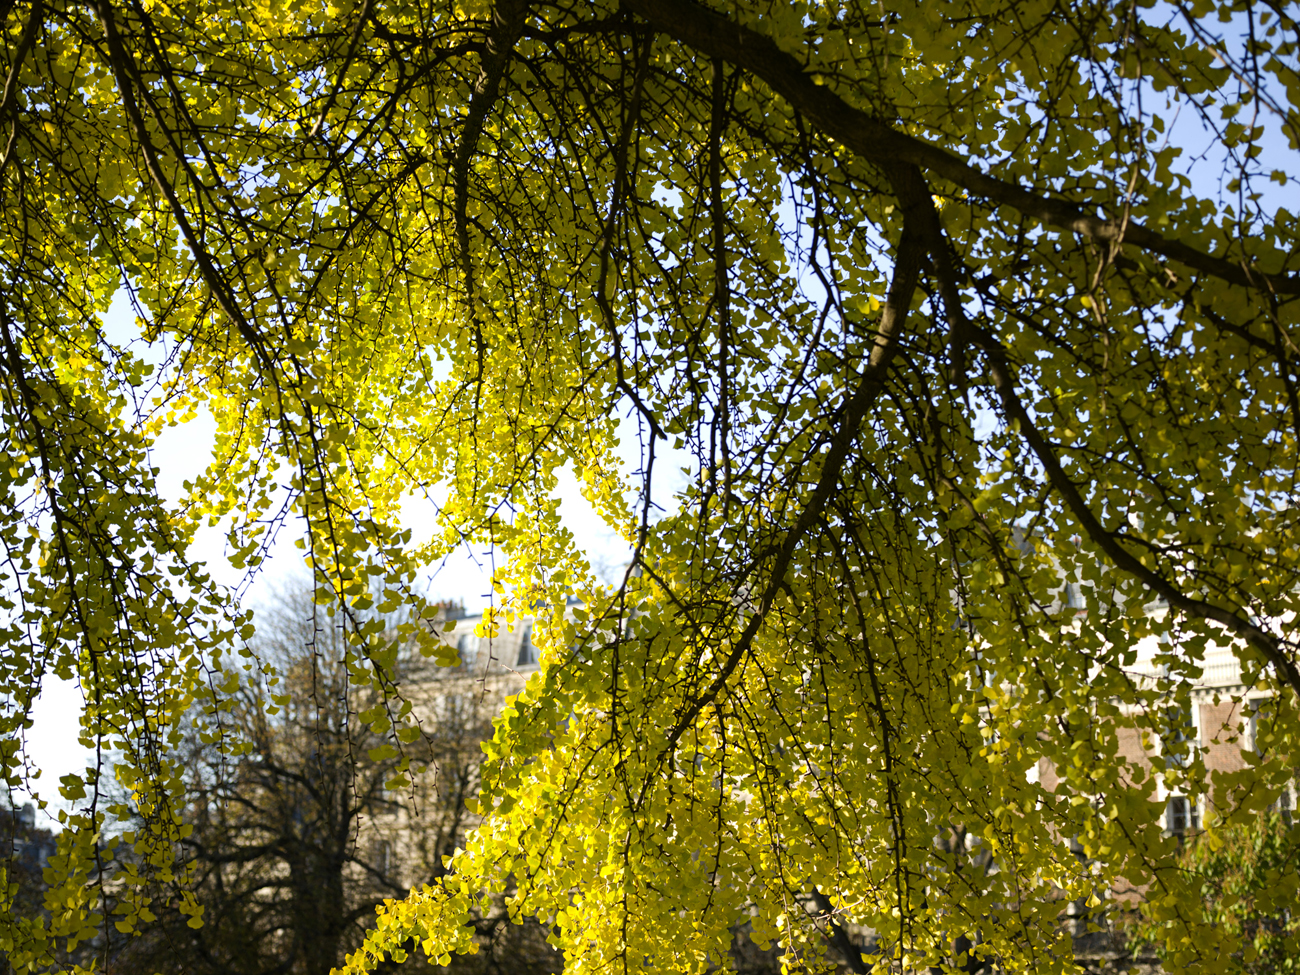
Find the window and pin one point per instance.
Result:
(1182, 815)
(1178, 736)
(1259, 735)
(1259, 732)
(526, 652)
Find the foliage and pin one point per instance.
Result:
(904, 284)
(1247, 878)
(26, 847)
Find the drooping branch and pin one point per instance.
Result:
(126, 78)
(913, 196)
(716, 36)
(721, 289)
(1272, 648)
(507, 25)
(1000, 371)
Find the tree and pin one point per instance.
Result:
(275, 849)
(1247, 880)
(27, 847)
(290, 845)
(907, 284)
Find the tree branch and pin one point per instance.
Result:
(507, 25)
(24, 48)
(1266, 643)
(716, 36)
(362, 17)
(839, 936)
(1000, 372)
(913, 196)
(122, 65)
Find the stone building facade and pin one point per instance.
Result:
(1223, 725)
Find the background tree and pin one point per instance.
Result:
(908, 284)
(26, 848)
(292, 842)
(1247, 878)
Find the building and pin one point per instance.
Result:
(1226, 722)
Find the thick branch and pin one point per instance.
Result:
(1270, 646)
(840, 937)
(716, 36)
(122, 70)
(507, 25)
(24, 48)
(1004, 383)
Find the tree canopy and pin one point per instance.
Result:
(949, 305)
